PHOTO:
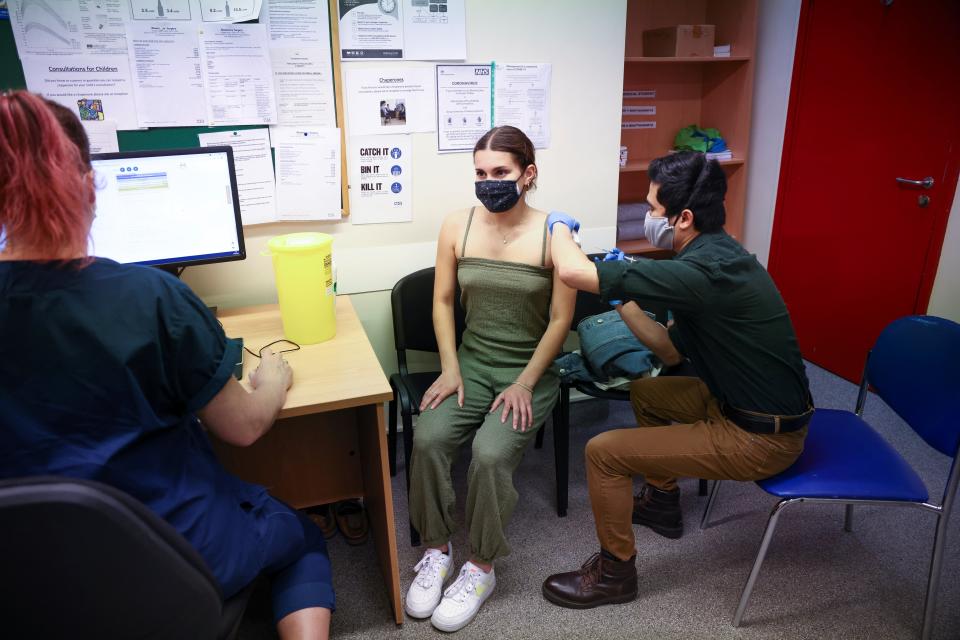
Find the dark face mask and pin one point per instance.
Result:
(498, 195)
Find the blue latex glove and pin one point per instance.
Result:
(613, 255)
(559, 216)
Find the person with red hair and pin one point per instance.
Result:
(107, 372)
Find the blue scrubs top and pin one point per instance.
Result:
(101, 371)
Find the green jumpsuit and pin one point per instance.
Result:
(507, 307)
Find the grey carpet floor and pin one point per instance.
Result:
(817, 581)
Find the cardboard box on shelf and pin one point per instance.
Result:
(681, 41)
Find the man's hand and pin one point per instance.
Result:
(614, 255)
(559, 216)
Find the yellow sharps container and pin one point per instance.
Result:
(303, 266)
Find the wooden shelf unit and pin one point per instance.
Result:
(709, 92)
(687, 60)
(643, 165)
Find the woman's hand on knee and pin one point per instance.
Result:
(446, 385)
(517, 399)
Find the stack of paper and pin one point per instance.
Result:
(720, 155)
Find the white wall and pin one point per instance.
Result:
(776, 43)
(579, 173)
(945, 299)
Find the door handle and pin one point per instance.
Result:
(926, 183)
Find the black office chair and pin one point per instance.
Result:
(412, 305)
(590, 304)
(84, 560)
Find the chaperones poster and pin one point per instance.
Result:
(380, 180)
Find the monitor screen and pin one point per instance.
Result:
(171, 207)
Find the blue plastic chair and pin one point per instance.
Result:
(915, 368)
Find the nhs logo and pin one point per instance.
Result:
(481, 71)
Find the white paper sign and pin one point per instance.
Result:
(166, 10)
(650, 124)
(229, 10)
(380, 179)
(254, 168)
(308, 173)
(434, 30)
(68, 27)
(237, 75)
(102, 135)
(303, 80)
(463, 105)
(389, 100)
(370, 29)
(297, 23)
(639, 110)
(640, 94)
(93, 87)
(167, 83)
(522, 99)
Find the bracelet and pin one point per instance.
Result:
(523, 386)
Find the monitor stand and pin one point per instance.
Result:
(174, 271)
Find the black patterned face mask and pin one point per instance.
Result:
(498, 195)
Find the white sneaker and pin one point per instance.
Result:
(424, 593)
(462, 600)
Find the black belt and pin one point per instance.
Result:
(756, 422)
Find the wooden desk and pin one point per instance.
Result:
(329, 443)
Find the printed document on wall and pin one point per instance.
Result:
(229, 10)
(303, 79)
(522, 99)
(434, 30)
(165, 10)
(93, 87)
(463, 105)
(308, 173)
(370, 29)
(389, 100)
(254, 169)
(237, 75)
(380, 179)
(68, 27)
(167, 83)
(297, 23)
(102, 135)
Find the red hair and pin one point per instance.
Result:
(45, 193)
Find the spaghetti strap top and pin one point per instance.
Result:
(543, 248)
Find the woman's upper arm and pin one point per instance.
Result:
(445, 277)
(563, 301)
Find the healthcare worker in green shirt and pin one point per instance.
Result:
(742, 417)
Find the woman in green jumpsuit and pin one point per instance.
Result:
(498, 388)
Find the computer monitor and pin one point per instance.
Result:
(168, 207)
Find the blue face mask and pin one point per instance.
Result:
(658, 231)
(498, 195)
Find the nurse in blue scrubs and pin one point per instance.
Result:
(113, 372)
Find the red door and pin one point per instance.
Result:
(874, 98)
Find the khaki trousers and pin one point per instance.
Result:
(701, 443)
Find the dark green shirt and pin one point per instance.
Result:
(729, 320)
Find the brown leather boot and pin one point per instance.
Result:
(599, 581)
(659, 510)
